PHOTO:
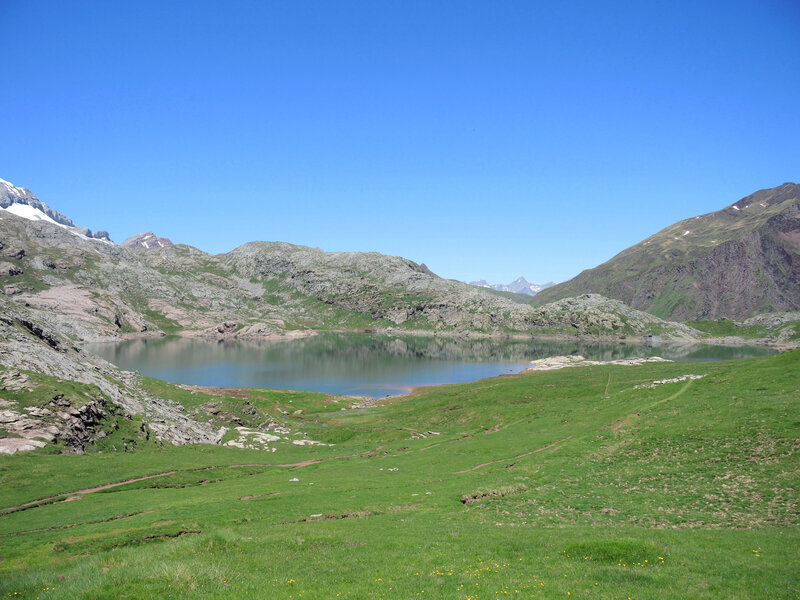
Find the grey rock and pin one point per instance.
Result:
(38, 347)
(9, 270)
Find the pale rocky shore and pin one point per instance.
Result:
(553, 363)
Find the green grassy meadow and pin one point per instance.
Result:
(581, 483)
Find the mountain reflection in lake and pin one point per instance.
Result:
(365, 364)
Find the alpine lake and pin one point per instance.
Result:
(372, 365)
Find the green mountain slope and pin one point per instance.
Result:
(733, 263)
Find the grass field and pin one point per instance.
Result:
(582, 483)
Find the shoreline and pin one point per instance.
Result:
(296, 334)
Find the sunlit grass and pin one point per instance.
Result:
(578, 484)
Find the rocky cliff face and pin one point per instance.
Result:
(734, 263)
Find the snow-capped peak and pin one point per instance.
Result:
(520, 286)
(22, 203)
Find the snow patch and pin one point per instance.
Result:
(31, 213)
(735, 208)
(687, 232)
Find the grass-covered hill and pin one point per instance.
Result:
(675, 480)
(734, 263)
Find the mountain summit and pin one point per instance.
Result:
(21, 202)
(519, 286)
(734, 263)
(146, 240)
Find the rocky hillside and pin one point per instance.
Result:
(734, 263)
(393, 291)
(93, 290)
(53, 391)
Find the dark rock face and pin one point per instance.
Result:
(734, 263)
(79, 425)
(9, 270)
(57, 420)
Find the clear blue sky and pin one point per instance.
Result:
(486, 139)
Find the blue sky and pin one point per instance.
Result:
(486, 139)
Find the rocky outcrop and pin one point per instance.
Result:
(27, 344)
(59, 421)
(553, 363)
(9, 270)
(593, 314)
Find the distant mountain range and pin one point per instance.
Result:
(737, 262)
(519, 286)
(91, 289)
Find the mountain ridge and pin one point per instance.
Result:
(22, 202)
(146, 240)
(733, 263)
(519, 286)
(105, 291)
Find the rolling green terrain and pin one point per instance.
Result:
(595, 482)
(737, 262)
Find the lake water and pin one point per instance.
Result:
(366, 364)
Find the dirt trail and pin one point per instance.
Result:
(501, 460)
(73, 495)
(624, 423)
(620, 423)
(673, 396)
(71, 525)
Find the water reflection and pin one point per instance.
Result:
(366, 364)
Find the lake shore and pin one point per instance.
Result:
(296, 334)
